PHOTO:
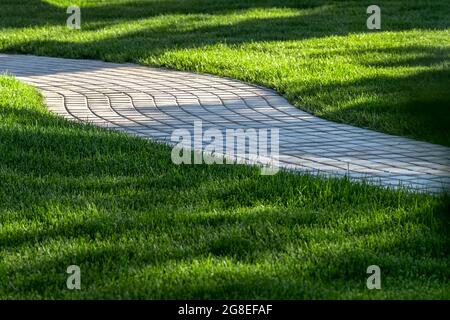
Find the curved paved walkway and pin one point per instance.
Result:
(153, 102)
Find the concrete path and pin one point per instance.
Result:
(153, 102)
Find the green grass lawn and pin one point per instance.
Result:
(317, 53)
(141, 227)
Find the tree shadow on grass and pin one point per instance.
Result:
(400, 15)
(30, 13)
(134, 46)
(325, 19)
(128, 244)
(178, 268)
(416, 105)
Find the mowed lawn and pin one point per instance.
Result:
(318, 53)
(141, 227)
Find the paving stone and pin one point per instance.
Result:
(151, 103)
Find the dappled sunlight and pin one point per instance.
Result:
(141, 227)
(215, 259)
(169, 24)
